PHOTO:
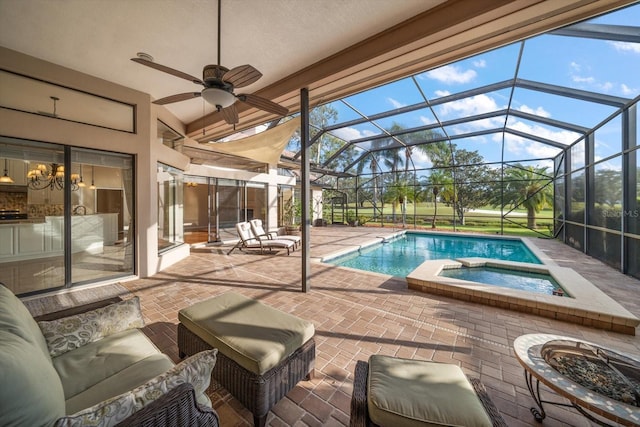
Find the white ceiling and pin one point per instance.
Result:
(332, 47)
(278, 37)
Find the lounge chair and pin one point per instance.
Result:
(259, 231)
(249, 241)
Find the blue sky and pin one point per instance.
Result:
(601, 66)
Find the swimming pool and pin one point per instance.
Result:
(508, 278)
(403, 254)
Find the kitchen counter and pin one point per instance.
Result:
(43, 237)
(22, 221)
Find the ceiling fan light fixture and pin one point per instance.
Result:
(145, 56)
(220, 98)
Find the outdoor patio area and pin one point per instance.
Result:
(357, 314)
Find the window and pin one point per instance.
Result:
(92, 233)
(170, 196)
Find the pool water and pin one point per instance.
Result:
(513, 279)
(402, 255)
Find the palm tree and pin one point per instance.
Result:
(437, 181)
(526, 186)
(399, 193)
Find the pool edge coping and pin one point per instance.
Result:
(594, 308)
(588, 305)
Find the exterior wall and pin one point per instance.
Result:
(272, 179)
(142, 144)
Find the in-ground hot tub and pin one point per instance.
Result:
(581, 303)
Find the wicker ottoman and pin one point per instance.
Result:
(262, 352)
(390, 391)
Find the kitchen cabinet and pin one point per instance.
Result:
(17, 170)
(34, 240)
(47, 196)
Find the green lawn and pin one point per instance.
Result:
(487, 220)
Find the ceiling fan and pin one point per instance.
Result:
(219, 83)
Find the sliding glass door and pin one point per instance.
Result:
(102, 226)
(66, 216)
(229, 202)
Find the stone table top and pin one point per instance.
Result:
(528, 352)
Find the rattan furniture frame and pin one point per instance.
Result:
(177, 408)
(258, 393)
(360, 412)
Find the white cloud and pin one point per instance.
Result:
(480, 63)
(395, 103)
(473, 105)
(591, 83)
(629, 91)
(562, 136)
(420, 159)
(427, 120)
(350, 133)
(580, 79)
(440, 93)
(626, 47)
(540, 111)
(526, 149)
(451, 74)
(609, 165)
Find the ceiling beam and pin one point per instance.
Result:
(453, 30)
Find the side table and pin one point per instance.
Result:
(528, 349)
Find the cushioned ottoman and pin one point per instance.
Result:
(262, 352)
(390, 391)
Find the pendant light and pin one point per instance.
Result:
(6, 179)
(93, 185)
(81, 183)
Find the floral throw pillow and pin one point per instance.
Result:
(71, 332)
(104, 414)
(195, 370)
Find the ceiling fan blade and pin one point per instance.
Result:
(242, 75)
(168, 70)
(177, 98)
(263, 104)
(230, 114)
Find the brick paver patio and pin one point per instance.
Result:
(357, 314)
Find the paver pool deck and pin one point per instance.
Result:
(357, 314)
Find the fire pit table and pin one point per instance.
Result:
(596, 380)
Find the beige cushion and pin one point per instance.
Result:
(69, 333)
(30, 390)
(254, 335)
(195, 370)
(108, 367)
(403, 392)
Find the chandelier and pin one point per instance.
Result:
(50, 176)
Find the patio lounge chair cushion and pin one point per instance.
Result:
(258, 230)
(255, 336)
(404, 392)
(250, 241)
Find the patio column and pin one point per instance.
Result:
(305, 188)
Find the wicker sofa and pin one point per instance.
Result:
(93, 366)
